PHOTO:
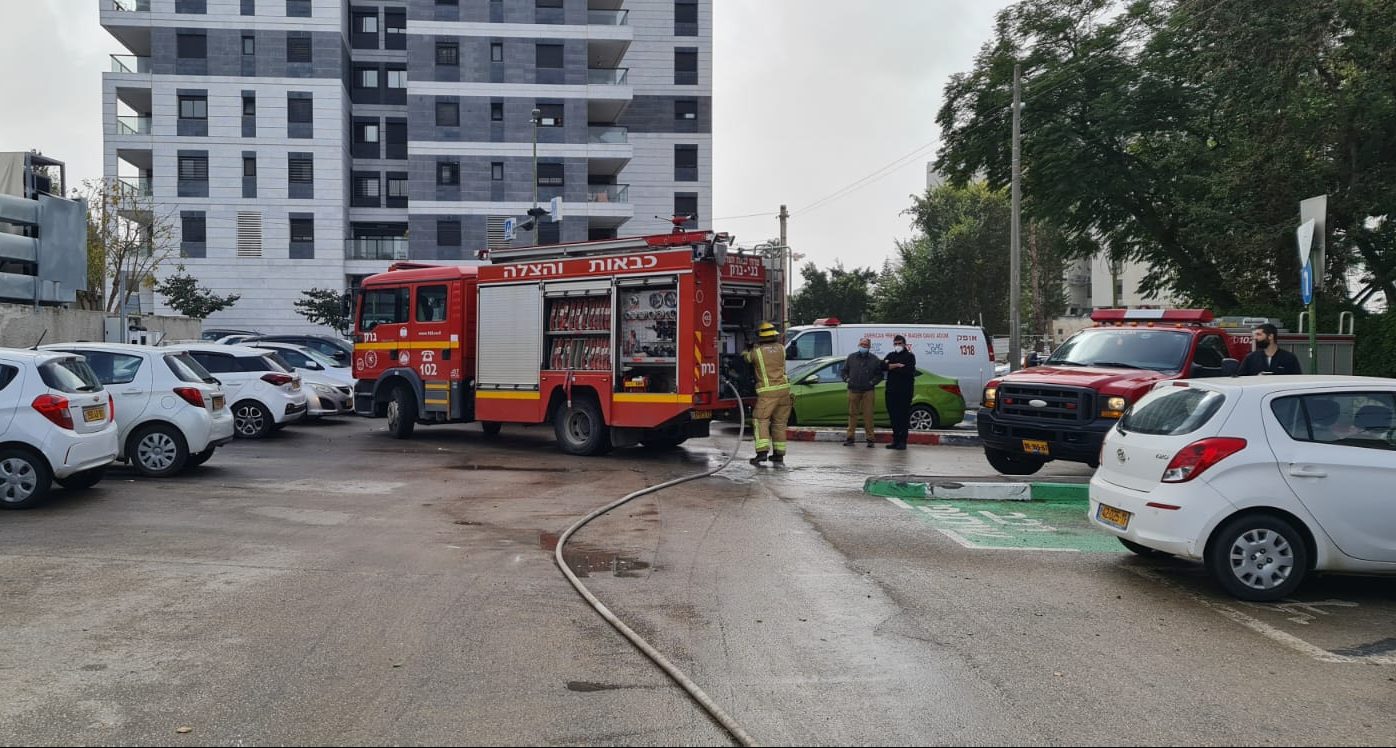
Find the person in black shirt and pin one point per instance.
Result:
(900, 366)
(1268, 358)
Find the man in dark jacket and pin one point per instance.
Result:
(900, 366)
(862, 371)
(1268, 357)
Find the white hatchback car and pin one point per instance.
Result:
(264, 394)
(55, 425)
(329, 386)
(171, 413)
(1263, 479)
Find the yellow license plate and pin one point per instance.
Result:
(94, 413)
(700, 415)
(295, 385)
(1035, 447)
(1112, 516)
(217, 402)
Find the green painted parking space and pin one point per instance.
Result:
(1057, 524)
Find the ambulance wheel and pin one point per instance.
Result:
(491, 428)
(580, 429)
(1010, 463)
(402, 413)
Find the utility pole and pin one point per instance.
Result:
(786, 266)
(1015, 281)
(534, 119)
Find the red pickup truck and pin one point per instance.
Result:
(1061, 409)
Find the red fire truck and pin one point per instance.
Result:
(1062, 409)
(615, 342)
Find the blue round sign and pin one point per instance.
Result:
(1306, 283)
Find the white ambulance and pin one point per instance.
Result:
(960, 351)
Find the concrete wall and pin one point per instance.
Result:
(21, 325)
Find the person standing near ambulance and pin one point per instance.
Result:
(900, 366)
(773, 400)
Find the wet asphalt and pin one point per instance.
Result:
(332, 586)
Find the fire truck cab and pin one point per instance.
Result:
(615, 343)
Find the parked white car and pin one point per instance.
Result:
(1263, 479)
(56, 424)
(170, 412)
(329, 386)
(264, 394)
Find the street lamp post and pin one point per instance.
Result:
(536, 114)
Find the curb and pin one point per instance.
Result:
(925, 438)
(923, 487)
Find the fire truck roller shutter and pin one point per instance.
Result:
(510, 337)
(577, 288)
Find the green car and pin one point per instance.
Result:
(821, 397)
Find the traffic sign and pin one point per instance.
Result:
(1305, 236)
(509, 226)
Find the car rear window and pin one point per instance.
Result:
(7, 375)
(265, 362)
(69, 375)
(1172, 411)
(186, 369)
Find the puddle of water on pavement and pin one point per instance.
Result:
(586, 686)
(583, 560)
(511, 468)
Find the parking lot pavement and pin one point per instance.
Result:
(333, 586)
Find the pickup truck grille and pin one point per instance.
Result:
(1063, 404)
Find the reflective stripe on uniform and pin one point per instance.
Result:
(766, 385)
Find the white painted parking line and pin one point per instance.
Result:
(1265, 629)
(965, 524)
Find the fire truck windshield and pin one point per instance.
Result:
(1124, 348)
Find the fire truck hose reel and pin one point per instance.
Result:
(673, 672)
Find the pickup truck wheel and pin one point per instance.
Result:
(1010, 463)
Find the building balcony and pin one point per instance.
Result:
(608, 135)
(134, 187)
(607, 76)
(608, 193)
(130, 65)
(133, 125)
(379, 248)
(608, 17)
(131, 6)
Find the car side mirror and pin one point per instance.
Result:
(809, 380)
(314, 366)
(1230, 367)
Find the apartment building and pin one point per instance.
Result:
(300, 144)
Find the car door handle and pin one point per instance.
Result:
(1300, 471)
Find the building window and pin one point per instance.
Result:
(686, 66)
(300, 109)
(297, 8)
(396, 136)
(549, 56)
(448, 233)
(193, 167)
(550, 175)
(368, 133)
(194, 226)
(367, 186)
(496, 52)
(249, 242)
(447, 113)
(447, 2)
(447, 53)
(686, 204)
(249, 105)
(550, 115)
(191, 46)
(685, 163)
(447, 172)
(397, 187)
(685, 110)
(685, 18)
(397, 79)
(549, 232)
(368, 24)
(249, 44)
(549, 3)
(300, 169)
(497, 171)
(302, 229)
(249, 166)
(368, 78)
(297, 48)
(395, 28)
(193, 107)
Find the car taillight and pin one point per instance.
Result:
(953, 389)
(1194, 459)
(278, 380)
(55, 409)
(192, 395)
(111, 408)
(989, 343)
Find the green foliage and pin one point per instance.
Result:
(184, 295)
(326, 306)
(845, 294)
(1376, 345)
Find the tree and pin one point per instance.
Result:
(845, 294)
(326, 306)
(184, 295)
(128, 239)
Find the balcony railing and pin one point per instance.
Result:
(130, 64)
(607, 76)
(379, 248)
(608, 17)
(132, 125)
(608, 135)
(608, 193)
(135, 186)
(132, 5)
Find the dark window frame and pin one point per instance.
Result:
(448, 53)
(451, 110)
(448, 173)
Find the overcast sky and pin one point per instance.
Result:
(810, 96)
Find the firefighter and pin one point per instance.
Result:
(773, 401)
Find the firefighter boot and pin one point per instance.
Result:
(778, 458)
(758, 459)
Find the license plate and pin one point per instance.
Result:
(1112, 516)
(1035, 447)
(94, 413)
(295, 385)
(217, 402)
(699, 415)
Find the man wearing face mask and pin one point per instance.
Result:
(862, 371)
(1268, 357)
(900, 366)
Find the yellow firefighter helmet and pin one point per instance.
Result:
(767, 331)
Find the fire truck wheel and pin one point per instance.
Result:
(491, 428)
(1009, 463)
(580, 429)
(402, 413)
